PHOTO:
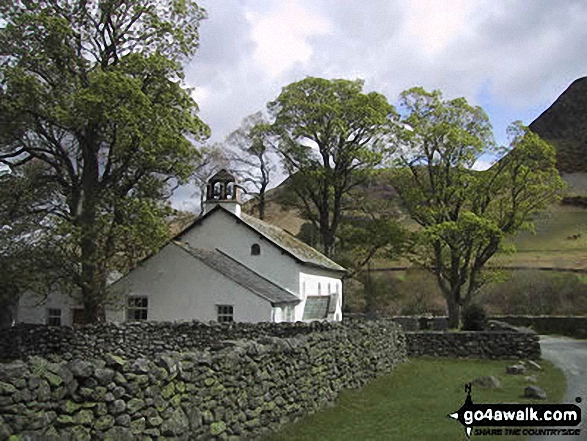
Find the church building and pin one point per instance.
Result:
(226, 266)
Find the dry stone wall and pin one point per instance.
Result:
(229, 389)
(473, 344)
(574, 326)
(138, 339)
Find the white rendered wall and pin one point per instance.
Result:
(221, 230)
(32, 308)
(314, 282)
(181, 287)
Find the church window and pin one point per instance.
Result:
(136, 308)
(54, 317)
(255, 249)
(225, 313)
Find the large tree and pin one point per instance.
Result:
(253, 156)
(331, 136)
(93, 90)
(465, 214)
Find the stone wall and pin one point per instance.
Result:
(575, 326)
(138, 339)
(230, 389)
(470, 344)
(421, 323)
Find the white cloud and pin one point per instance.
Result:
(281, 32)
(432, 25)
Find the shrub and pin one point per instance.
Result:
(537, 292)
(474, 318)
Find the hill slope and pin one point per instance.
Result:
(564, 124)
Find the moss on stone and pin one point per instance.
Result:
(217, 428)
(54, 380)
(84, 417)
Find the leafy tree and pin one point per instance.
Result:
(371, 231)
(466, 214)
(331, 136)
(253, 154)
(93, 91)
(29, 259)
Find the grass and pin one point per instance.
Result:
(413, 402)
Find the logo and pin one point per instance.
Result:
(472, 415)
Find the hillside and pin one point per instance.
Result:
(564, 124)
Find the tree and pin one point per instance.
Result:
(331, 136)
(93, 90)
(29, 260)
(373, 231)
(253, 154)
(466, 214)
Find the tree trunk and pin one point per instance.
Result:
(454, 311)
(90, 283)
(262, 202)
(370, 300)
(328, 244)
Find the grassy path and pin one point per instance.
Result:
(412, 403)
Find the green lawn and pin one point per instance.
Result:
(413, 402)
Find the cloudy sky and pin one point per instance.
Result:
(514, 58)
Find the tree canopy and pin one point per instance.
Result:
(331, 136)
(466, 214)
(253, 156)
(92, 92)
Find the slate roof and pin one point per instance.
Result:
(240, 274)
(299, 250)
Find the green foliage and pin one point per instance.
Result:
(27, 255)
(93, 91)
(474, 317)
(537, 293)
(413, 292)
(369, 231)
(331, 136)
(466, 214)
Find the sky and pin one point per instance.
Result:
(513, 58)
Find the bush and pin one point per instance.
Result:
(537, 292)
(474, 318)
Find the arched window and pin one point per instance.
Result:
(255, 249)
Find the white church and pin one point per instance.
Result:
(226, 266)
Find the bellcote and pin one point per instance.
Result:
(223, 189)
